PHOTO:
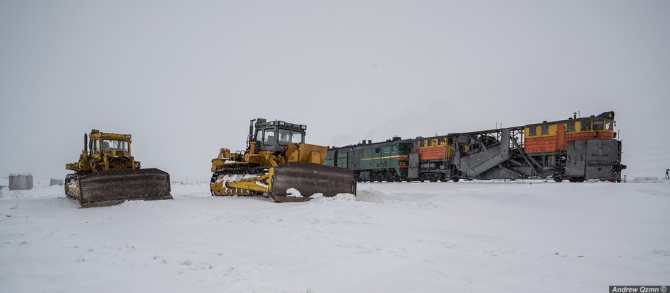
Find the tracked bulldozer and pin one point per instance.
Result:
(107, 174)
(279, 164)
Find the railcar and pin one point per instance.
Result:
(576, 149)
(431, 159)
(382, 161)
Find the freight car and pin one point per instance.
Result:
(576, 149)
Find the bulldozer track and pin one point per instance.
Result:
(255, 171)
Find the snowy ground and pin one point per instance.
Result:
(523, 236)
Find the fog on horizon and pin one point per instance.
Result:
(184, 78)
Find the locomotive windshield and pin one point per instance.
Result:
(405, 147)
(603, 125)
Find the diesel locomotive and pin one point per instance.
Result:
(575, 149)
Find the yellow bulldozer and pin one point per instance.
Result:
(107, 174)
(278, 163)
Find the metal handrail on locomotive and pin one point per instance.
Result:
(576, 149)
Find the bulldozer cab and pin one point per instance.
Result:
(109, 144)
(276, 135)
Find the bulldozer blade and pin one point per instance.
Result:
(309, 179)
(108, 188)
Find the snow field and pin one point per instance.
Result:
(392, 237)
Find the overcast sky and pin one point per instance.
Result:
(185, 77)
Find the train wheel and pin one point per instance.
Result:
(558, 179)
(376, 177)
(395, 178)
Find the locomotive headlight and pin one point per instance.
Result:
(303, 127)
(282, 123)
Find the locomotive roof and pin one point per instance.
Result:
(488, 131)
(604, 115)
(392, 141)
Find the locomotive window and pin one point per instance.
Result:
(598, 125)
(532, 131)
(545, 129)
(571, 126)
(609, 125)
(586, 125)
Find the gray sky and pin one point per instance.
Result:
(185, 77)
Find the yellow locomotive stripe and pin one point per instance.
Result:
(387, 157)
